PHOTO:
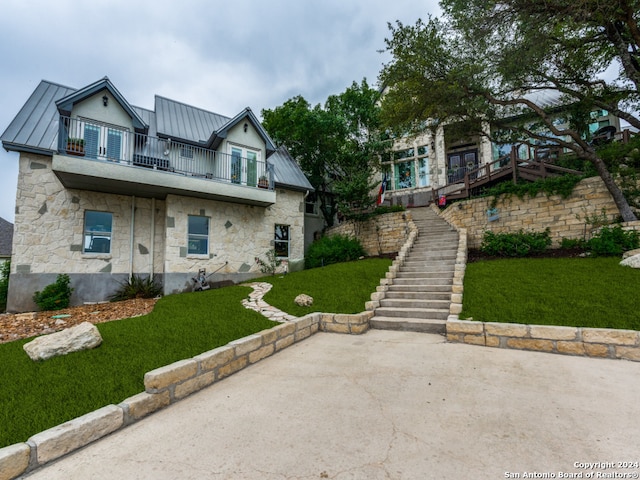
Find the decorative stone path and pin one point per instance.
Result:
(256, 303)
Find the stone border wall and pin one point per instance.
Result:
(169, 384)
(588, 342)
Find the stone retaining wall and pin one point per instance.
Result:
(379, 235)
(169, 384)
(565, 217)
(588, 342)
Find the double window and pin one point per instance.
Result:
(98, 228)
(411, 168)
(198, 235)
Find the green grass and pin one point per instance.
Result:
(578, 292)
(337, 288)
(35, 396)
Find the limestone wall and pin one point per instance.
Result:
(590, 342)
(381, 234)
(564, 217)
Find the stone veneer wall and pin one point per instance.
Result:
(48, 237)
(382, 234)
(560, 215)
(167, 385)
(239, 233)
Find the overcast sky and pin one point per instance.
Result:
(218, 55)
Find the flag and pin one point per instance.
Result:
(383, 188)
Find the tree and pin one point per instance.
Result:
(337, 145)
(490, 62)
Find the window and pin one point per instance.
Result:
(104, 142)
(281, 243)
(404, 175)
(311, 206)
(186, 152)
(97, 232)
(198, 236)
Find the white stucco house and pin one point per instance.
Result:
(107, 190)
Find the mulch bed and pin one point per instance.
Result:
(475, 255)
(25, 325)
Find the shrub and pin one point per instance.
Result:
(518, 244)
(572, 243)
(271, 264)
(54, 296)
(137, 287)
(613, 241)
(5, 268)
(333, 249)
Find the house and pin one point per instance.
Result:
(422, 164)
(6, 238)
(107, 190)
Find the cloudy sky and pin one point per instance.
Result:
(218, 55)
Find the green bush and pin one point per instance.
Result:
(55, 296)
(571, 243)
(333, 249)
(613, 241)
(137, 287)
(5, 268)
(518, 244)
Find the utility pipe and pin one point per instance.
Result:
(153, 234)
(133, 212)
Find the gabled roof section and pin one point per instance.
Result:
(180, 121)
(65, 105)
(6, 237)
(245, 115)
(35, 127)
(287, 172)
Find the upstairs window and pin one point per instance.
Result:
(97, 232)
(198, 236)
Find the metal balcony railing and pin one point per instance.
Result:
(103, 142)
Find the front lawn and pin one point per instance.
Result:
(578, 292)
(35, 396)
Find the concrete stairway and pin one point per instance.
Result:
(420, 296)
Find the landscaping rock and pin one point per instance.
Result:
(631, 253)
(81, 337)
(633, 262)
(304, 300)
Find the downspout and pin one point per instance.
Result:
(153, 235)
(133, 211)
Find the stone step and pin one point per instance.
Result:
(422, 304)
(422, 288)
(426, 295)
(427, 267)
(422, 281)
(423, 274)
(411, 312)
(409, 324)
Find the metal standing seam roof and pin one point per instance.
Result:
(6, 237)
(35, 128)
(287, 173)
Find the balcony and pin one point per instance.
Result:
(110, 159)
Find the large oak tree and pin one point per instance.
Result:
(493, 61)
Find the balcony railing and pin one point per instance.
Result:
(103, 142)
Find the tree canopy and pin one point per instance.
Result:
(337, 145)
(499, 62)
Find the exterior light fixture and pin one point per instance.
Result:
(105, 100)
(246, 125)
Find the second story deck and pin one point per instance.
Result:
(102, 157)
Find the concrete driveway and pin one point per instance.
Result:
(385, 405)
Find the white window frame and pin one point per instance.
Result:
(277, 240)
